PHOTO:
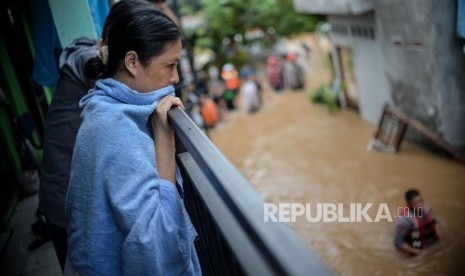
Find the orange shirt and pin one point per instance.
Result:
(231, 78)
(209, 112)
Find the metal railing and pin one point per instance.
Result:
(228, 214)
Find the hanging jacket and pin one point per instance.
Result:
(61, 127)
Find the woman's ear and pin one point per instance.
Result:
(131, 63)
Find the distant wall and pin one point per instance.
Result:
(450, 71)
(333, 6)
(423, 62)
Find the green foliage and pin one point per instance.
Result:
(226, 18)
(230, 17)
(240, 58)
(185, 9)
(324, 95)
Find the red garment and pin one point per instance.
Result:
(423, 232)
(274, 75)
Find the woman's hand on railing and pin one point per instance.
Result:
(163, 135)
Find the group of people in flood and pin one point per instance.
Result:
(227, 91)
(233, 89)
(285, 75)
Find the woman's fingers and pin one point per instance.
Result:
(167, 102)
(160, 118)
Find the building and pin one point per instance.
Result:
(402, 52)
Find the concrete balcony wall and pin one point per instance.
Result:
(450, 71)
(333, 6)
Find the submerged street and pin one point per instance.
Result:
(294, 151)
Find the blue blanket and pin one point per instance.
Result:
(124, 219)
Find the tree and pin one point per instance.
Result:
(226, 19)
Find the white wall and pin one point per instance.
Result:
(373, 88)
(372, 83)
(333, 6)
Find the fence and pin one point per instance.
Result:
(227, 213)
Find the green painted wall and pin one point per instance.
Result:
(5, 128)
(72, 20)
(12, 89)
(15, 96)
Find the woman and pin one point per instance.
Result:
(125, 213)
(62, 125)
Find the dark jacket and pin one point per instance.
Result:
(62, 124)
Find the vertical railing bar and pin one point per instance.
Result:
(250, 257)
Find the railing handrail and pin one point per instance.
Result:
(284, 251)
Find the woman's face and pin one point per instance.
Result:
(161, 71)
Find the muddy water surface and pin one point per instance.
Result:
(295, 151)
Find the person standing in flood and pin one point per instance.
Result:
(416, 227)
(274, 73)
(232, 82)
(250, 93)
(293, 74)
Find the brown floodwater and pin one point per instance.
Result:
(294, 151)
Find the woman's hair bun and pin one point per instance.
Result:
(94, 68)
